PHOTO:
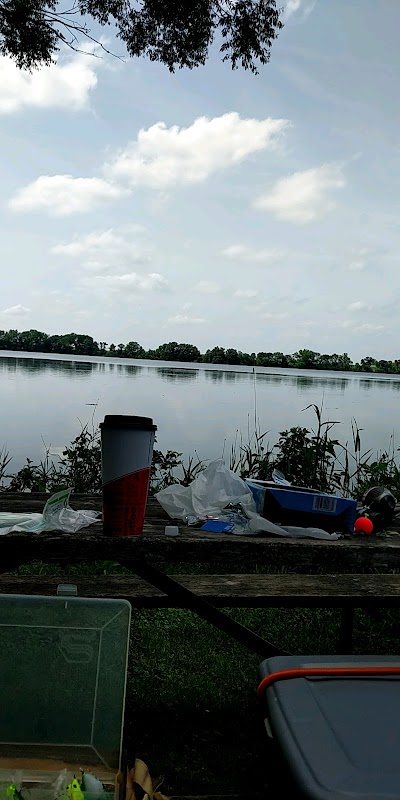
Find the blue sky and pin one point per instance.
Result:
(211, 206)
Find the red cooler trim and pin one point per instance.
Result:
(325, 672)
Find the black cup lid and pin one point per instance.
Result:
(125, 421)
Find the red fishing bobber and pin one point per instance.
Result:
(363, 525)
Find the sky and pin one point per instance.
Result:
(211, 206)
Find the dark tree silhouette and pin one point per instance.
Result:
(177, 33)
(34, 341)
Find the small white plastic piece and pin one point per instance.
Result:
(171, 530)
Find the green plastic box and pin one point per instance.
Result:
(63, 664)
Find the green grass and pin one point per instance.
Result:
(191, 701)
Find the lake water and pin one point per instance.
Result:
(42, 399)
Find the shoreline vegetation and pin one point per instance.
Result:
(33, 341)
(309, 457)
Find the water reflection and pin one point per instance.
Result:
(232, 377)
(306, 382)
(175, 375)
(303, 382)
(266, 377)
(214, 375)
(132, 369)
(34, 366)
(377, 383)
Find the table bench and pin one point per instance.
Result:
(346, 574)
(223, 591)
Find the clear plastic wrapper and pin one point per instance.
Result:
(57, 516)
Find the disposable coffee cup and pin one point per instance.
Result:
(126, 453)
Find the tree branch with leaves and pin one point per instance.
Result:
(176, 33)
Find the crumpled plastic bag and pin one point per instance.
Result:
(207, 495)
(215, 489)
(57, 516)
(259, 524)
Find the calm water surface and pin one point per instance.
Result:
(196, 407)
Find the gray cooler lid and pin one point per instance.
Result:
(340, 737)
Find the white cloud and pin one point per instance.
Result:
(185, 319)
(16, 311)
(106, 259)
(365, 257)
(246, 293)
(129, 282)
(159, 157)
(366, 327)
(63, 195)
(207, 287)
(274, 315)
(162, 157)
(304, 196)
(369, 327)
(358, 305)
(306, 323)
(64, 85)
(242, 252)
(357, 264)
(113, 249)
(293, 6)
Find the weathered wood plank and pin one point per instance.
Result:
(304, 556)
(362, 554)
(235, 591)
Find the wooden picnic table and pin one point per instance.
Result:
(380, 553)
(348, 573)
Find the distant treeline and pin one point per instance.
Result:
(34, 341)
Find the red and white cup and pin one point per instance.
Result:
(126, 453)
